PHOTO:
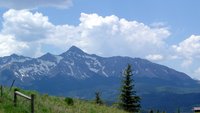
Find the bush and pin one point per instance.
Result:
(17, 89)
(69, 101)
(1, 99)
(98, 99)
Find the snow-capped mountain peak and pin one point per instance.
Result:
(77, 64)
(73, 51)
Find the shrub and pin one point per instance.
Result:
(69, 101)
(98, 99)
(17, 89)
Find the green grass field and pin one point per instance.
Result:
(50, 104)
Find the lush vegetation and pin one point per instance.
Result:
(51, 104)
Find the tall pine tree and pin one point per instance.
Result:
(129, 101)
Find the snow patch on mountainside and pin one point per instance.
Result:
(58, 58)
(8, 61)
(104, 73)
(71, 70)
(91, 68)
(34, 69)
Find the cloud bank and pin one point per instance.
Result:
(105, 36)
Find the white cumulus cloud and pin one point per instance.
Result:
(26, 26)
(107, 36)
(154, 57)
(111, 35)
(190, 47)
(29, 4)
(9, 45)
(188, 50)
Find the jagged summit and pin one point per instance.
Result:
(73, 50)
(47, 56)
(50, 57)
(16, 56)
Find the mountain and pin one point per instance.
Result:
(78, 74)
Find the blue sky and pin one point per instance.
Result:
(166, 32)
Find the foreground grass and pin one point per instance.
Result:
(50, 104)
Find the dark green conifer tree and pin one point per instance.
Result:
(98, 99)
(151, 111)
(178, 111)
(129, 101)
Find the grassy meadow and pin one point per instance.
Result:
(50, 104)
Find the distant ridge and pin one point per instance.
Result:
(79, 74)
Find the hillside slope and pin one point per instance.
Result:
(50, 104)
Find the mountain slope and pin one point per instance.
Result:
(78, 74)
(50, 104)
(80, 65)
